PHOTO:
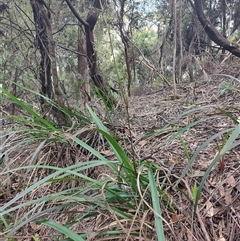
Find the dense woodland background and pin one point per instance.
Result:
(64, 49)
(119, 120)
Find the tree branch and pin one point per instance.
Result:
(75, 13)
(212, 33)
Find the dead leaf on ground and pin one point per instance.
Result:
(213, 180)
(221, 190)
(197, 173)
(142, 143)
(228, 197)
(221, 227)
(231, 181)
(238, 187)
(107, 153)
(34, 226)
(218, 209)
(177, 217)
(209, 209)
(221, 239)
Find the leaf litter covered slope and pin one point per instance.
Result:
(152, 111)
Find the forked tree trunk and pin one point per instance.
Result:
(45, 13)
(43, 45)
(97, 79)
(48, 67)
(212, 33)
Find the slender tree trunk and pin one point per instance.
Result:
(180, 38)
(83, 70)
(126, 45)
(95, 75)
(223, 24)
(169, 29)
(190, 58)
(127, 61)
(57, 95)
(83, 82)
(48, 66)
(42, 44)
(174, 46)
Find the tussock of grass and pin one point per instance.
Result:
(79, 183)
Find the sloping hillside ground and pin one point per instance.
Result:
(204, 109)
(152, 111)
(155, 108)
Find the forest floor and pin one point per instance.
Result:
(202, 109)
(154, 108)
(153, 112)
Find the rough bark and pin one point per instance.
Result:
(83, 83)
(174, 46)
(161, 47)
(212, 33)
(48, 67)
(126, 45)
(83, 71)
(57, 95)
(96, 77)
(42, 45)
(180, 41)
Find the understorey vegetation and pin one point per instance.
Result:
(119, 120)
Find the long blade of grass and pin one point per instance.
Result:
(69, 233)
(77, 113)
(201, 185)
(226, 147)
(29, 110)
(226, 75)
(92, 150)
(172, 122)
(181, 131)
(156, 206)
(120, 154)
(97, 120)
(226, 113)
(196, 153)
(230, 140)
(35, 155)
(72, 170)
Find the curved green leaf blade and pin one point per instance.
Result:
(156, 206)
(69, 233)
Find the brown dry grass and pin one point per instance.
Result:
(150, 109)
